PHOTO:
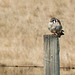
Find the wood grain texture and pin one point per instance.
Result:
(51, 55)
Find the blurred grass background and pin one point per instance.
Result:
(23, 24)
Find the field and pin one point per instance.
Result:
(23, 24)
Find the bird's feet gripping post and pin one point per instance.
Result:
(54, 34)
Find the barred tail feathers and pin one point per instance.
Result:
(60, 34)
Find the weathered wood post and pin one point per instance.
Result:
(51, 55)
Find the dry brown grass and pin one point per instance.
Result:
(23, 24)
(30, 71)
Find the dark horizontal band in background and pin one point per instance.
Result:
(37, 67)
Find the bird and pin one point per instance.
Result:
(55, 27)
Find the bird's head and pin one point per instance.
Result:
(54, 20)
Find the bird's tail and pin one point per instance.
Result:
(60, 34)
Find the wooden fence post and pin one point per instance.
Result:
(51, 55)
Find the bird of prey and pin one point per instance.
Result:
(55, 27)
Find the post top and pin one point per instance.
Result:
(51, 36)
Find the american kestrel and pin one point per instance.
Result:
(55, 27)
